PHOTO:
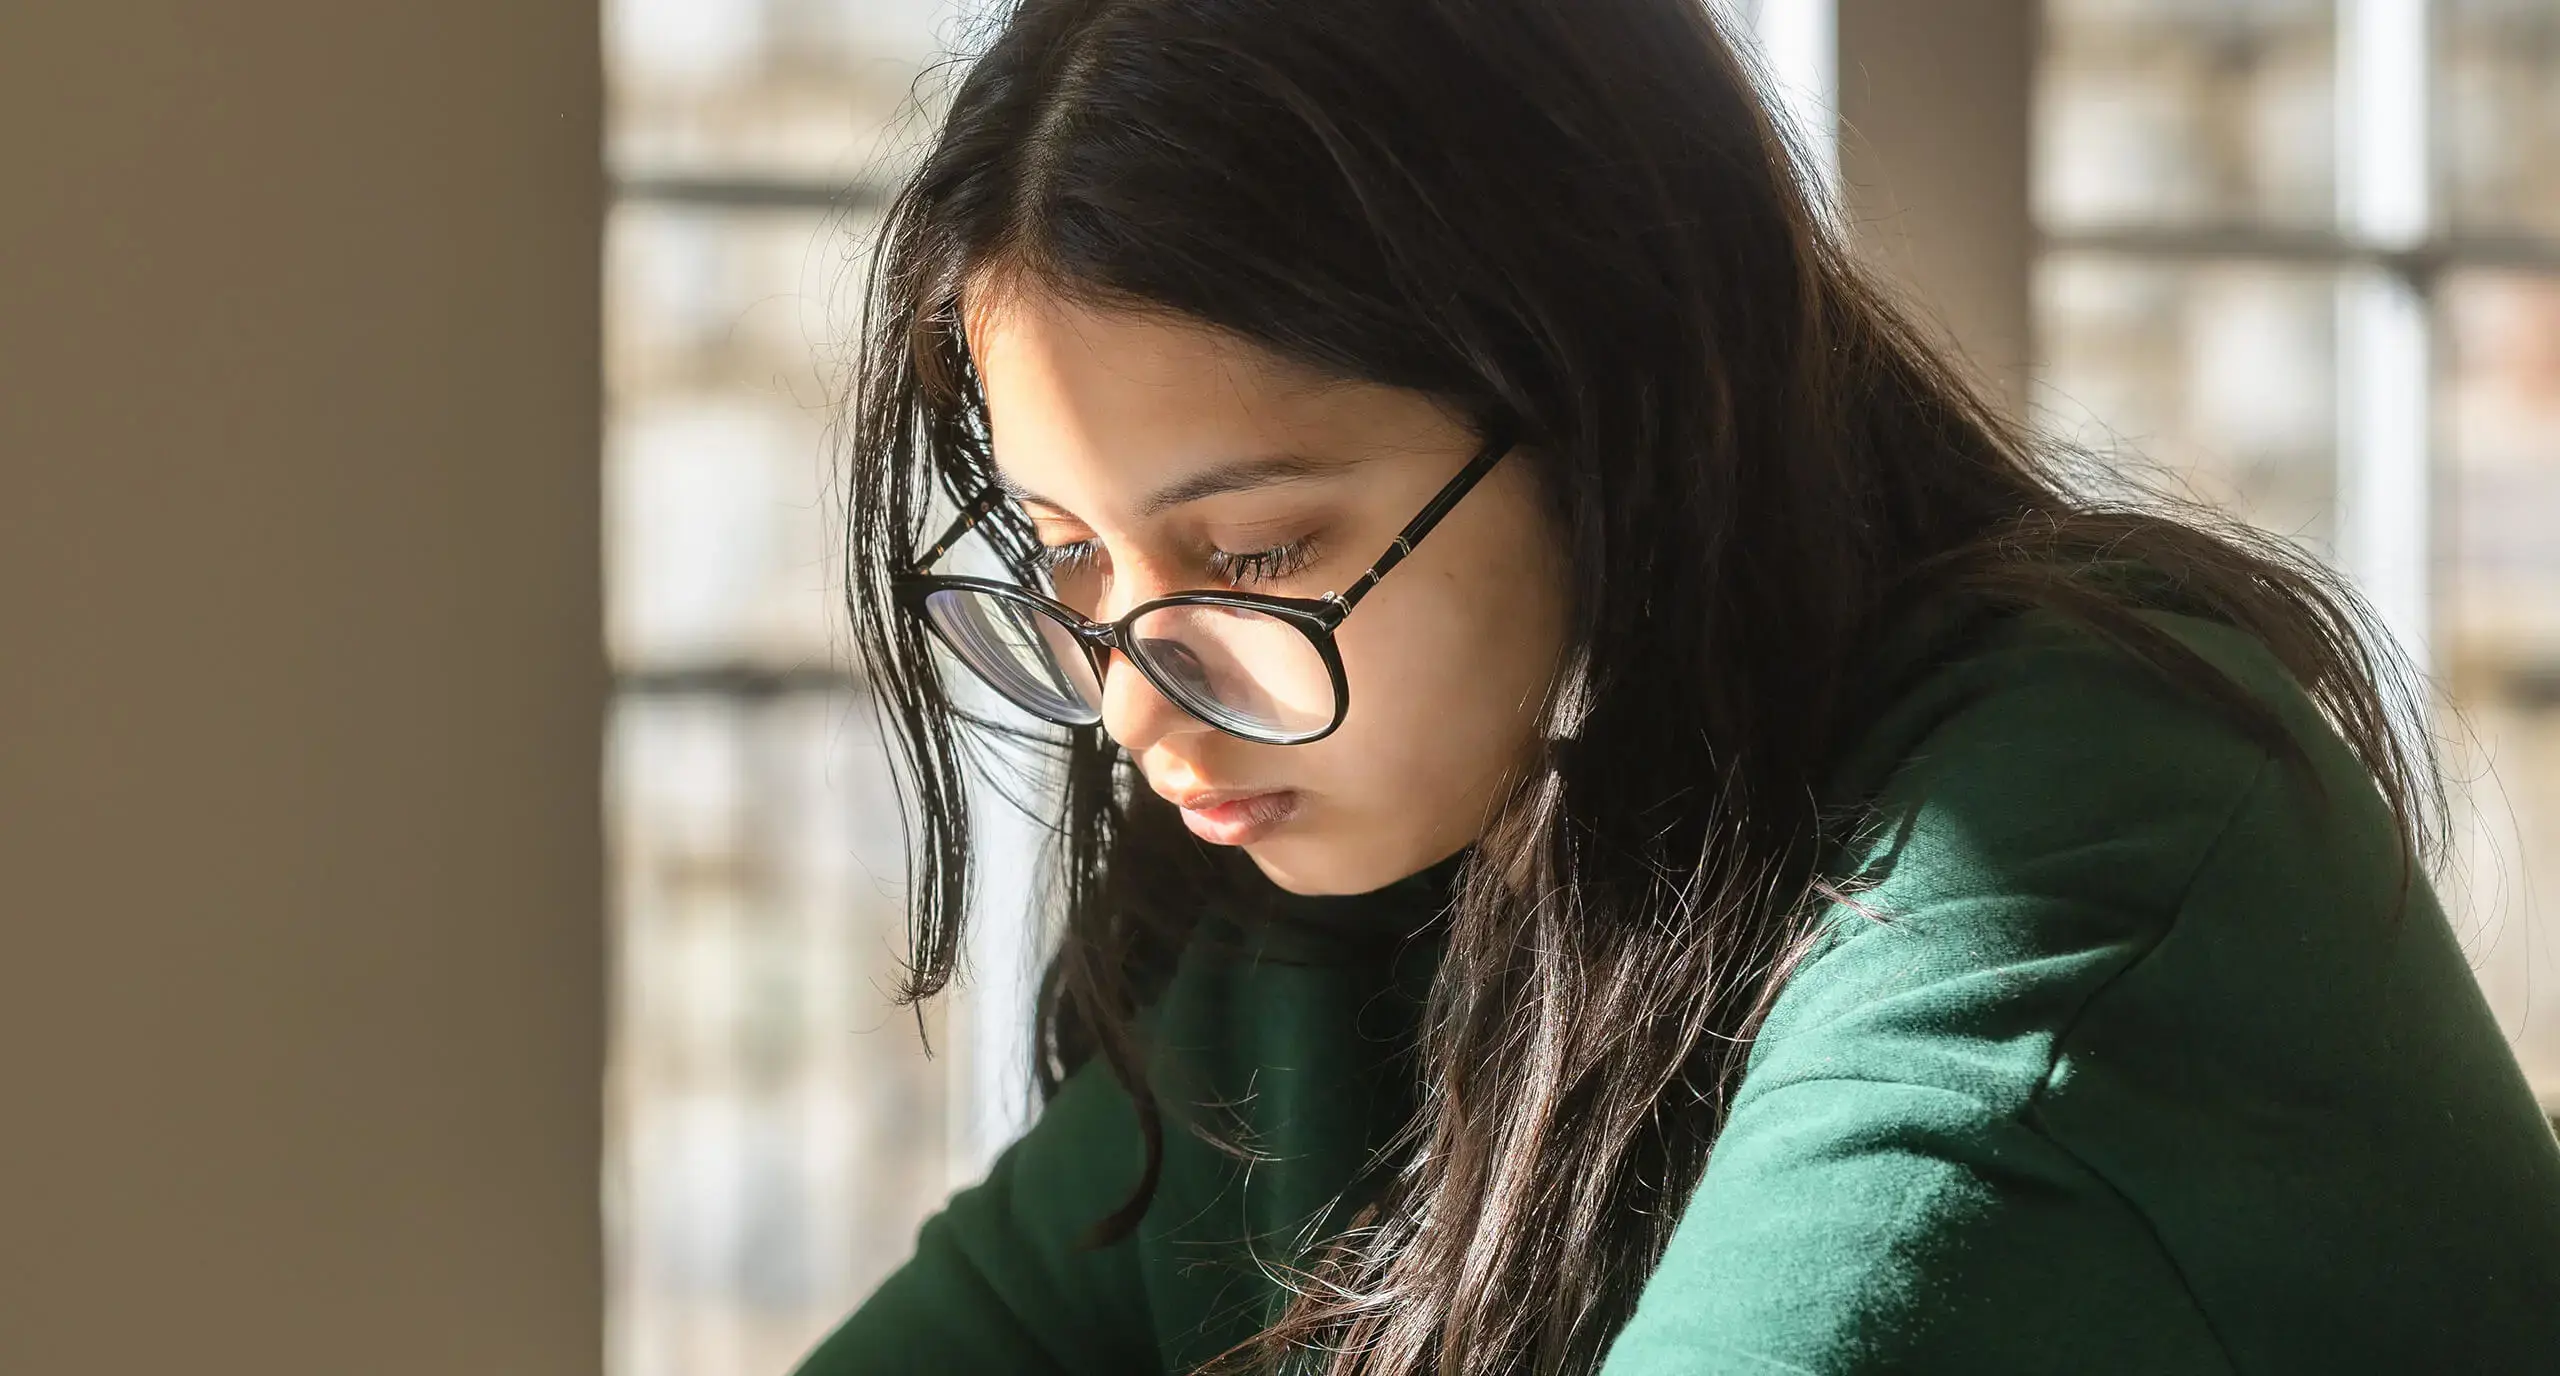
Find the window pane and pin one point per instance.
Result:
(804, 90)
(776, 1131)
(777, 1134)
(2501, 634)
(709, 297)
(2499, 121)
(2185, 113)
(2218, 377)
(2502, 418)
(719, 384)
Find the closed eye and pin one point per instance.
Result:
(1069, 559)
(1063, 563)
(1263, 565)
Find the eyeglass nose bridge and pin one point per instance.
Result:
(1099, 639)
(1097, 635)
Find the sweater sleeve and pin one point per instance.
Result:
(997, 1282)
(1888, 1193)
(1855, 1225)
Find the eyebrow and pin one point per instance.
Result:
(1234, 475)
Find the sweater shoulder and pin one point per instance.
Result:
(2040, 807)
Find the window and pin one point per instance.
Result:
(774, 1133)
(2305, 254)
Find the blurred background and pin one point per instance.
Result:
(452, 881)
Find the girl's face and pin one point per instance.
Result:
(1156, 457)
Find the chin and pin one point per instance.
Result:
(1315, 867)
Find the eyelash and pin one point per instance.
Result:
(1056, 559)
(1262, 565)
(1256, 566)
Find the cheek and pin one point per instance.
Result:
(1447, 672)
(1445, 687)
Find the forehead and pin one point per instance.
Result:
(1017, 326)
(1102, 400)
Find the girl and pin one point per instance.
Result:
(1616, 814)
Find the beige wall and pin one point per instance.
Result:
(300, 923)
(1933, 164)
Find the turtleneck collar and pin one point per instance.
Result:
(1386, 914)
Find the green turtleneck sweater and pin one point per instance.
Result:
(2146, 1070)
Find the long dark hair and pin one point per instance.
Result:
(1576, 218)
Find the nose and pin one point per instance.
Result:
(1133, 711)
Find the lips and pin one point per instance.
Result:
(1235, 817)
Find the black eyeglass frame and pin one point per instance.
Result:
(1313, 617)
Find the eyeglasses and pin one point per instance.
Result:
(1254, 665)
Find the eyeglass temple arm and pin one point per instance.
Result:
(1449, 495)
(970, 515)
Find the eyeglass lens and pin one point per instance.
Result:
(1021, 652)
(1236, 667)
